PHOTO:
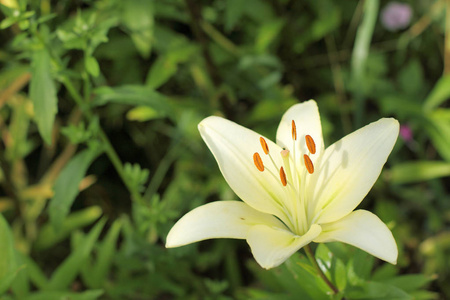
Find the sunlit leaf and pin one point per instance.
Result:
(142, 114)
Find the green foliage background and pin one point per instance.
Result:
(100, 154)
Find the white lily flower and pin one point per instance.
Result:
(296, 191)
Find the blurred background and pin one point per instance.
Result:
(100, 153)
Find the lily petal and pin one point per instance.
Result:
(233, 147)
(272, 246)
(221, 219)
(364, 230)
(349, 168)
(307, 120)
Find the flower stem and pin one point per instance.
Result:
(109, 149)
(313, 261)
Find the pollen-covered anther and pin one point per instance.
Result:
(309, 164)
(258, 161)
(264, 145)
(294, 131)
(310, 144)
(283, 177)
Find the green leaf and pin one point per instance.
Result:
(411, 80)
(21, 284)
(439, 94)
(33, 271)
(57, 295)
(137, 15)
(410, 282)
(97, 275)
(136, 176)
(424, 295)
(377, 291)
(438, 129)
(67, 186)
(267, 34)
(324, 259)
(48, 236)
(359, 267)
(400, 105)
(385, 271)
(132, 95)
(340, 275)
(78, 134)
(92, 66)
(142, 114)
(327, 22)
(7, 280)
(234, 9)
(305, 280)
(43, 94)
(8, 265)
(69, 269)
(417, 171)
(162, 70)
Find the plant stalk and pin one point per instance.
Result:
(109, 149)
(314, 263)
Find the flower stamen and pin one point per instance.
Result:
(294, 131)
(310, 144)
(264, 145)
(308, 163)
(283, 177)
(258, 162)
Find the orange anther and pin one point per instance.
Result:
(283, 177)
(294, 131)
(308, 163)
(264, 145)
(310, 144)
(258, 161)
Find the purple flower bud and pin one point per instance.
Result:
(406, 133)
(396, 16)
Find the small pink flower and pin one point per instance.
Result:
(406, 133)
(396, 16)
